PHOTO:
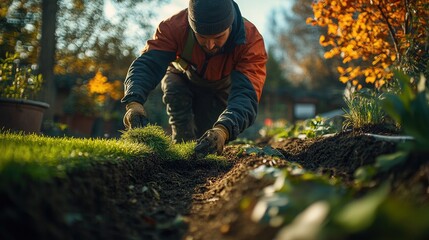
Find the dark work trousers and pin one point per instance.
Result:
(193, 104)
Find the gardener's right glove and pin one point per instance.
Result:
(135, 116)
(212, 141)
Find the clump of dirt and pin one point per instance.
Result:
(339, 155)
(157, 199)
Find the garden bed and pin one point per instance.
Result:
(151, 198)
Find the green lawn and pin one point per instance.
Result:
(42, 157)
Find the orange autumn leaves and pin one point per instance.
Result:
(101, 88)
(369, 35)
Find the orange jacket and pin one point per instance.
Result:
(243, 58)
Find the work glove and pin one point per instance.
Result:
(135, 116)
(212, 141)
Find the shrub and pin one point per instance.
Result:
(16, 81)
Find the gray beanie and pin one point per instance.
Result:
(209, 17)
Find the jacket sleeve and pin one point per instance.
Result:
(248, 79)
(242, 107)
(145, 73)
(148, 69)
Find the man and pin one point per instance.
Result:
(211, 65)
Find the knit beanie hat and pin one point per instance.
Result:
(209, 17)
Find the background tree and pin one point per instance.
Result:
(370, 36)
(47, 53)
(276, 84)
(275, 72)
(302, 57)
(89, 33)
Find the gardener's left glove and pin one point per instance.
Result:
(212, 141)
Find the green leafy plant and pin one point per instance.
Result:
(315, 127)
(410, 109)
(309, 128)
(304, 205)
(16, 81)
(292, 191)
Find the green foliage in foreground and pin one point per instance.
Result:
(310, 206)
(410, 109)
(41, 157)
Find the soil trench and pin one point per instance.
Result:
(153, 198)
(137, 199)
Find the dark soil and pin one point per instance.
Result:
(154, 199)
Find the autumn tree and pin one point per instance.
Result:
(373, 36)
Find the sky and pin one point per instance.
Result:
(256, 11)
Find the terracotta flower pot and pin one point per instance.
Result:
(22, 115)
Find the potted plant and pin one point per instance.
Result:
(18, 87)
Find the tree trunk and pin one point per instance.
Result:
(47, 55)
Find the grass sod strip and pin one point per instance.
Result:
(42, 157)
(158, 142)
